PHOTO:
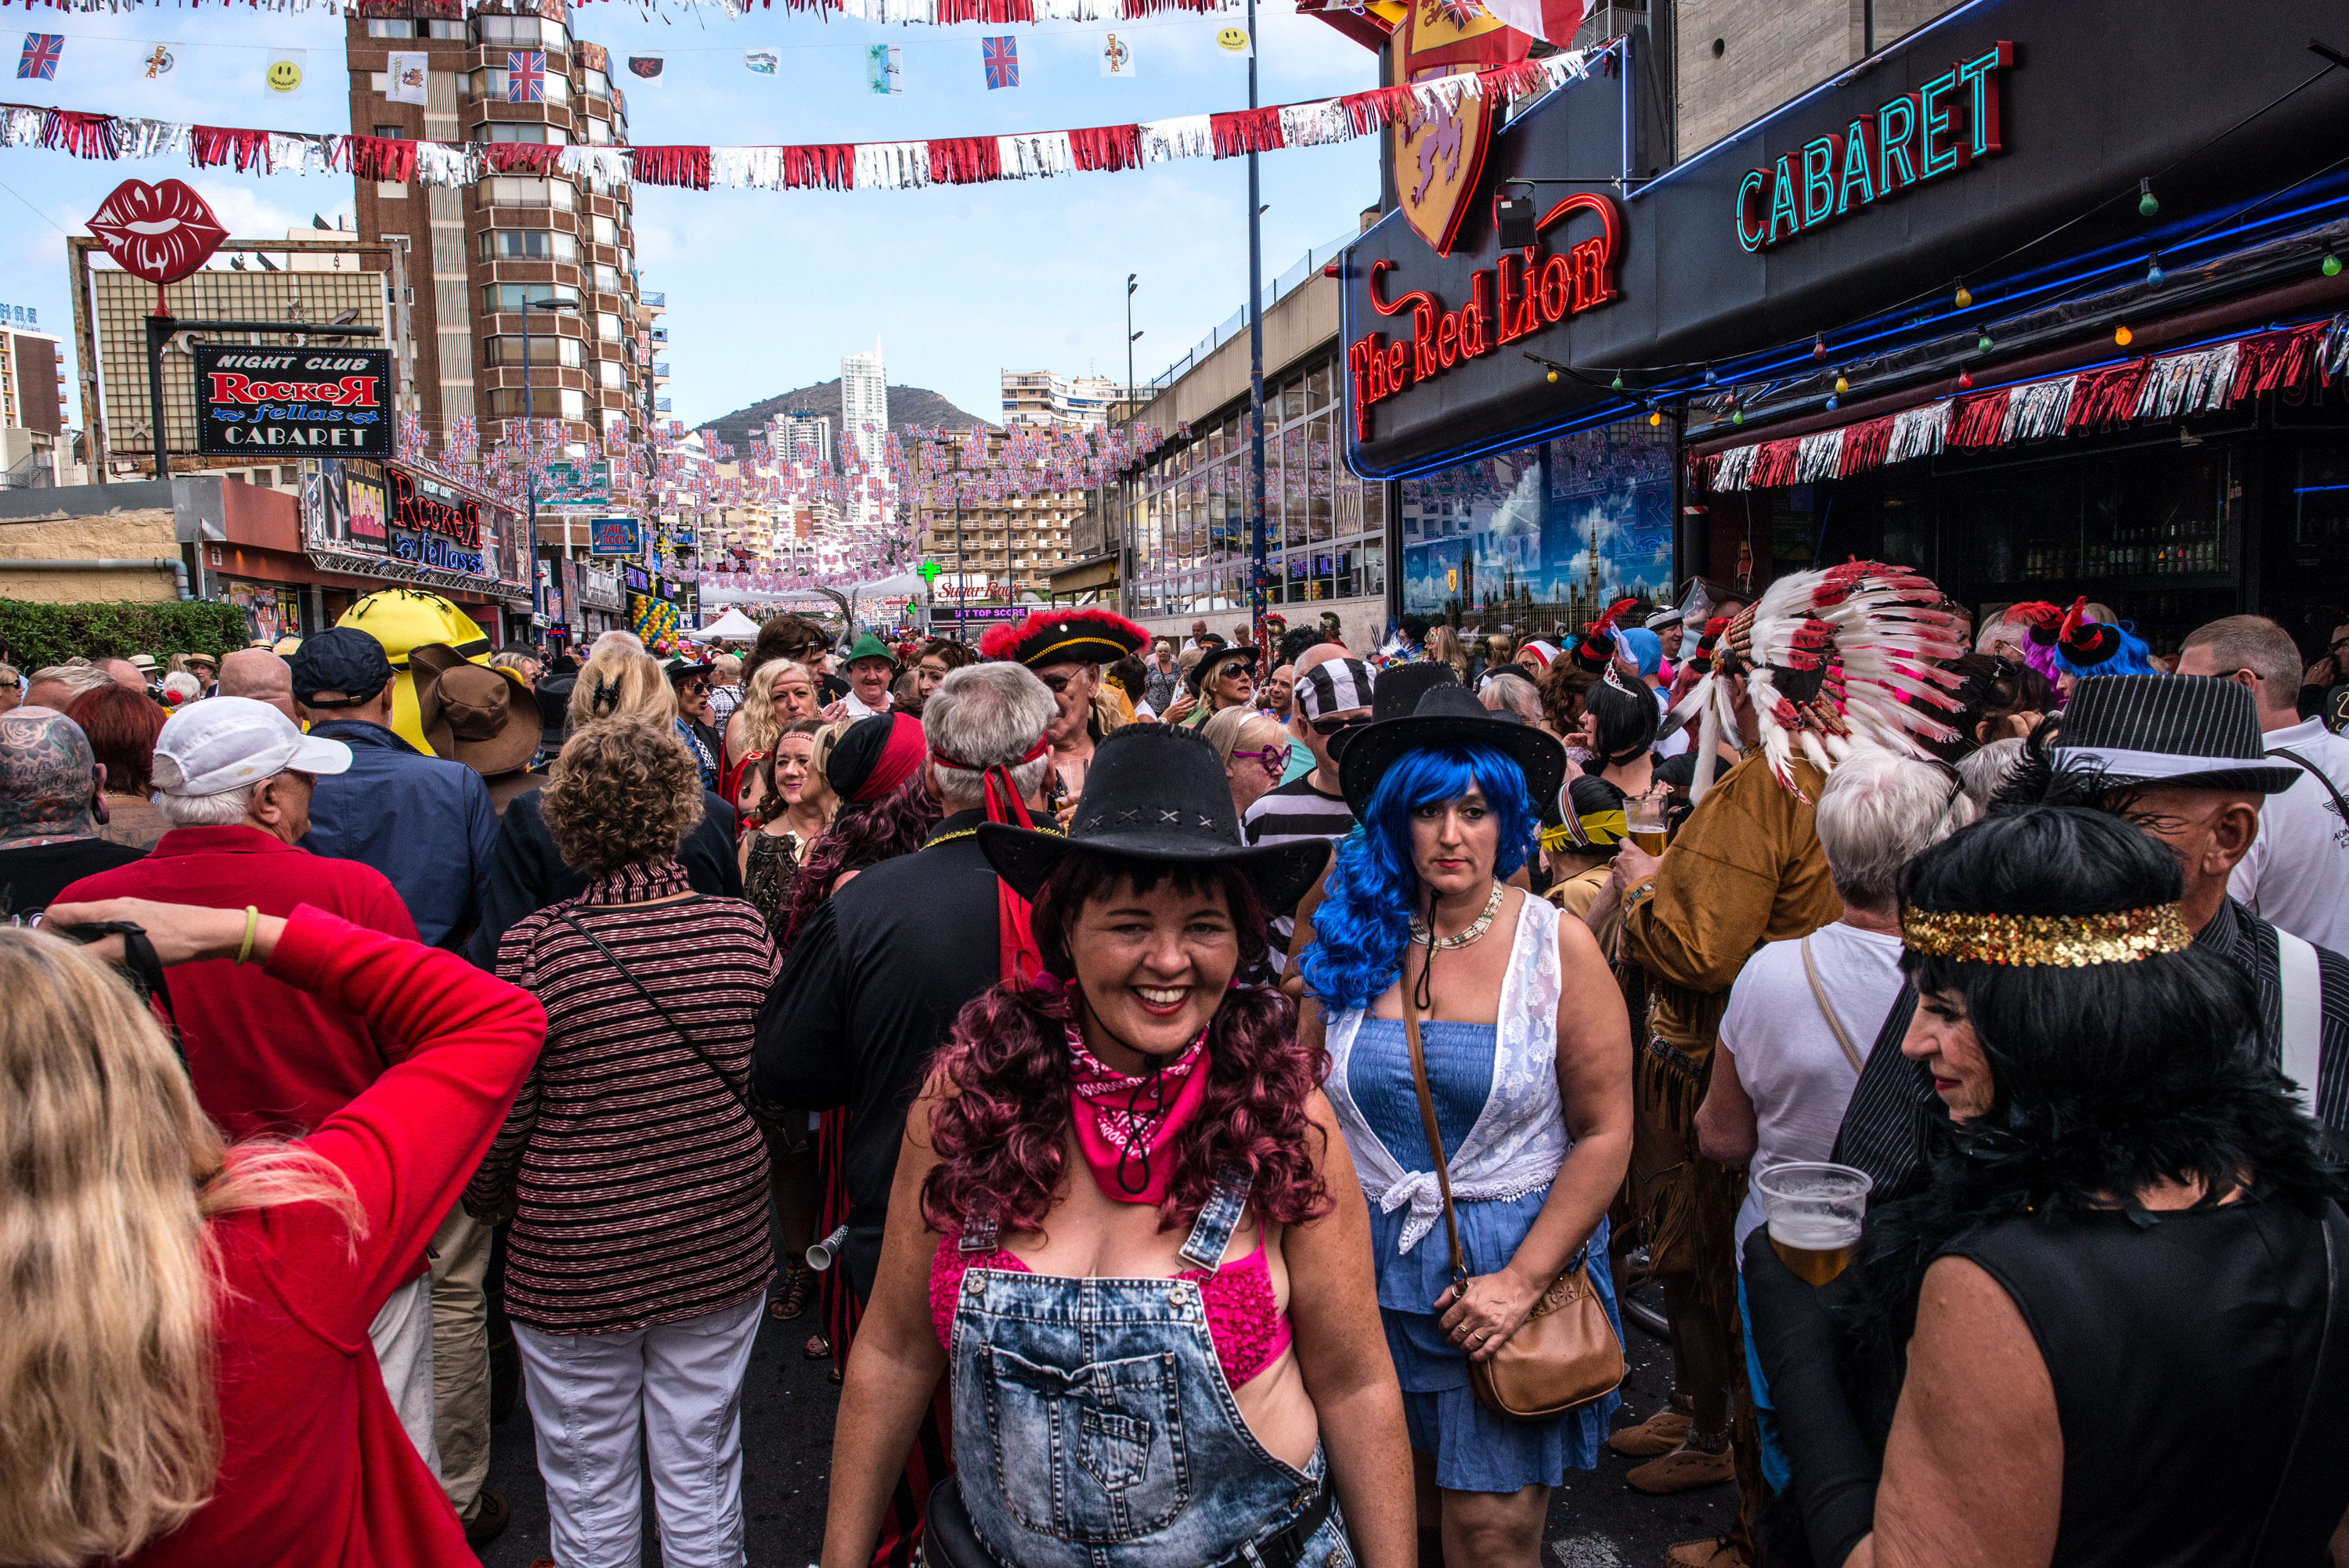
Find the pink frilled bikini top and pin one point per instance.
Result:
(1248, 1330)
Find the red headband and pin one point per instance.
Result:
(1017, 955)
(901, 755)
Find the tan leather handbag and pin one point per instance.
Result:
(1566, 1352)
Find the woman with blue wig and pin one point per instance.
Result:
(1527, 1054)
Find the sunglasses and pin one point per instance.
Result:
(1336, 726)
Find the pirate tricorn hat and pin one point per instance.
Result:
(1087, 636)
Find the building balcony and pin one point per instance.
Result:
(654, 301)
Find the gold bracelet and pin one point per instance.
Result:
(252, 925)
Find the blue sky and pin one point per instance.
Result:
(768, 289)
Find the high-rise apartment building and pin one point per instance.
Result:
(863, 420)
(807, 438)
(1044, 397)
(557, 246)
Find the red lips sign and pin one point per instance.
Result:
(160, 232)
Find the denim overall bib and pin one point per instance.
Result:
(1094, 1428)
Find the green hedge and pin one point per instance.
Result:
(41, 635)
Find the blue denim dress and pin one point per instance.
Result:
(1475, 1450)
(1094, 1427)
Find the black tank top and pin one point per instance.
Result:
(2182, 1354)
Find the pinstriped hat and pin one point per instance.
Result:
(2184, 732)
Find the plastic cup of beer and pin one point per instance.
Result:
(1643, 819)
(1813, 1211)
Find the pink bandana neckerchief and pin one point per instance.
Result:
(1127, 1122)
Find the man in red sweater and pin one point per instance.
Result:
(235, 777)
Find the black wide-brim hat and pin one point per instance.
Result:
(1395, 692)
(1157, 792)
(2179, 732)
(1204, 671)
(1448, 715)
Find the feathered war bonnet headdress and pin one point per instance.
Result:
(1833, 660)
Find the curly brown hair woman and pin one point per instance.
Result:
(624, 792)
(638, 1250)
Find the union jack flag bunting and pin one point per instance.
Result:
(1001, 57)
(39, 61)
(526, 75)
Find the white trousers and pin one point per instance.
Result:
(403, 1335)
(683, 1381)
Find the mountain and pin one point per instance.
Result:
(908, 406)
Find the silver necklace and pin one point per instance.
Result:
(1469, 934)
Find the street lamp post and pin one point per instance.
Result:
(1125, 514)
(1256, 367)
(528, 306)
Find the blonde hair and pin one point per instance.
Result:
(109, 1173)
(761, 729)
(1224, 731)
(617, 682)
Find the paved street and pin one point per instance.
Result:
(1596, 1521)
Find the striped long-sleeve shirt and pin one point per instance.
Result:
(640, 1180)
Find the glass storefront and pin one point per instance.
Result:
(1544, 534)
(1324, 531)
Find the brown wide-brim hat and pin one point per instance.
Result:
(469, 713)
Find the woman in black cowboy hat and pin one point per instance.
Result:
(1125, 1227)
(1528, 1063)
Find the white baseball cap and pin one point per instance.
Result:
(224, 743)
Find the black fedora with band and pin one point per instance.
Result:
(1155, 792)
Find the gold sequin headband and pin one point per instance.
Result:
(2068, 941)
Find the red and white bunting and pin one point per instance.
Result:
(2160, 386)
(836, 166)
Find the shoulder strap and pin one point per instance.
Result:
(1435, 1135)
(2289, 755)
(658, 1011)
(2301, 1020)
(2307, 1506)
(1819, 995)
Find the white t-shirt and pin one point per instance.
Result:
(857, 710)
(1787, 1059)
(2296, 873)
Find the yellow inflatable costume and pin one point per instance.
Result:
(405, 618)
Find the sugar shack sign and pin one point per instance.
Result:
(292, 402)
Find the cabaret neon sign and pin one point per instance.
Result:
(1520, 294)
(1940, 128)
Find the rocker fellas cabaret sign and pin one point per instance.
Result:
(292, 402)
(1524, 291)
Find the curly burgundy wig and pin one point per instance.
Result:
(860, 835)
(1001, 1124)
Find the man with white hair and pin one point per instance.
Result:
(56, 687)
(876, 975)
(234, 778)
(874, 978)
